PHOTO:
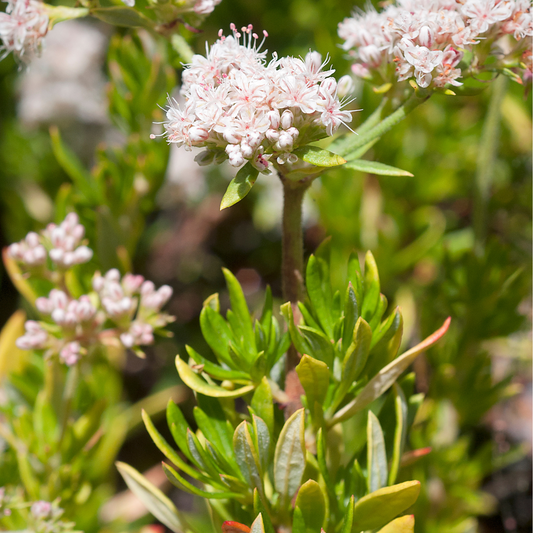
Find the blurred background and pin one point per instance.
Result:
(74, 134)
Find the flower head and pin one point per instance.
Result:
(243, 108)
(415, 37)
(22, 28)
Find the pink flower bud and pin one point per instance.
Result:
(287, 119)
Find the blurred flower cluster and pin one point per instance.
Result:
(240, 107)
(428, 39)
(120, 311)
(41, 516)
(22, 28)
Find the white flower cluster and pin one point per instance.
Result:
(426, 39)
(62, 244)
(240, 107)
(22, 28)
(121, 311)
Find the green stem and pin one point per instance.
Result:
(367, 134)
(486, 162)
(292, 261)
(68, 396)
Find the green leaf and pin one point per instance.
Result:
(314, 377)
(354, 360)
(167, 450)
(122, 16)
(319, 157)
(351, 314)
(319, 290)
(386, 377)
(154, 500)
(247, 457)
(348, 516)
(376, 456)
(400, 432)
(259, 508)
(289, 459)
(380, 507)
(312, 504)
(217, 334)
(239, 186)
(373, 167)
(184, 485)
(404, 524)
(216, 371)
(196, 383)
(178, 427)
(321, 346)
(371, 287)
(261, 438)
(241, 311)
(257, 525)
(298, 524)
(300, 343)
(355, 278)
(263, 404)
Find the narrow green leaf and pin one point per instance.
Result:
(259, 508)
(380, 507)
(371, 287)
(355, 278)
(400, 432)
(196, 383)
(261, 438)
(312, 504)
(289, 459)
(216, 371)
(318, 156)
(404, 524)
(348, 517)
(156, 502)
(319, 290)
(122, 16)
(351, 314)
(376, 456)
(266, 315)
(178, 427)
(239, 186)
(184, 485)
(354, 360)
(263, 404)
(300, 343)
(314, 377)
(386, 377)
(167, 450)
(240, 308)
(373, 167)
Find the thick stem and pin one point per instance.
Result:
(292, 262)
(486, 162)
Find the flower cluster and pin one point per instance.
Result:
(22, 28)
(242, 108)
(123, 311)
(61, 244)
(427, 39)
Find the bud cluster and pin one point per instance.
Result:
(427, 39)
(122, 311)
(22, 28)
(242, 108)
